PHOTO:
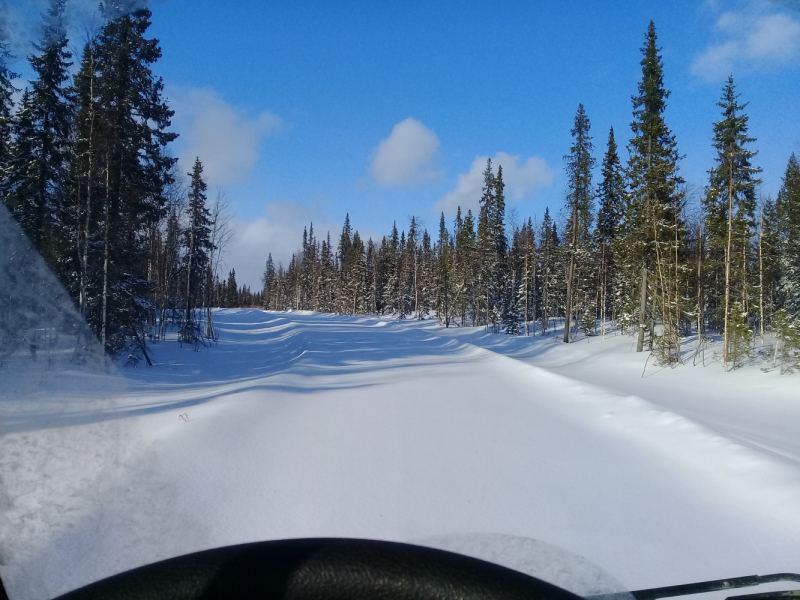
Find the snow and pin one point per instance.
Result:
(559, 460)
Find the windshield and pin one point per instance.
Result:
(517, 282)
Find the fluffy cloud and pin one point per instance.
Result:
(520, 176)
(751, 39)
(279, 233)
(227, 140)
(407, 156)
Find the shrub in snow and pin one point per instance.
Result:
(787, 344)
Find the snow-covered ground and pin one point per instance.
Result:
(561, 460)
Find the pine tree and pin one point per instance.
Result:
(269, 283)
(331, 270)
(232, 290)
(411, 263)
(197, 239)
(551, 293)
(121, 171)
(511, 315)
(788, 213)
(487, 247)
(356, 290)
(444, 274)
(652, 227)
(769, 262)
(579, 204)
(526, 293)
(427, 276)
(611, 193)
(391, 260)
(38, 177)
(19, 184)
(729, 207)
(7, 90)
(373, 277)
(466, 267)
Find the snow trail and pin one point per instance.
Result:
(303, 424)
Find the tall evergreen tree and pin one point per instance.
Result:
(788, 213)
(7, 90)
(466, 268)
(269, 282)
(232, 290)
(444, 274)
(487, 247)
(391, 260)
(548, 259)
(611, 193)
(652, 228)
(579, 204)
(37, 178)
(197, 239)
(729, 206)
(526, 292)
(121, 173)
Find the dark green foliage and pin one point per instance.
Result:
(122, 132)
(231, 290)
(651, 235)
(197, 240)
(655, 199)
(731, 182)
(610, 192)
(788, 217)
(269, 282)
(7, 90)
(38, 172)
(579, 206)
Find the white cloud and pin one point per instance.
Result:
(226, 140)
(407, 156)
(520, 176)
(750, 39)
(280, 232)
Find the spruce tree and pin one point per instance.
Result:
(138, 169)
(411, 264)
(427, 275)
(444, 274)
(356, 278)
(526, 293)
(729, 207)
(269, 283)
(20, 189)
(487, 244)
(466, 268)
(7, 90)
(232, 290)
(788, 213)
(38, 177)
(579, 204)
(611, 193)
(372, 277)
(548, 250)
(197, 240)
(652, 228)
(391, 259)
(769, 262)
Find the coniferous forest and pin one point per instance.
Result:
(136, 241)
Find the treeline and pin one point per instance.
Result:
(627, 251)
(86, 171)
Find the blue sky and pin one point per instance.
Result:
(307, 110)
